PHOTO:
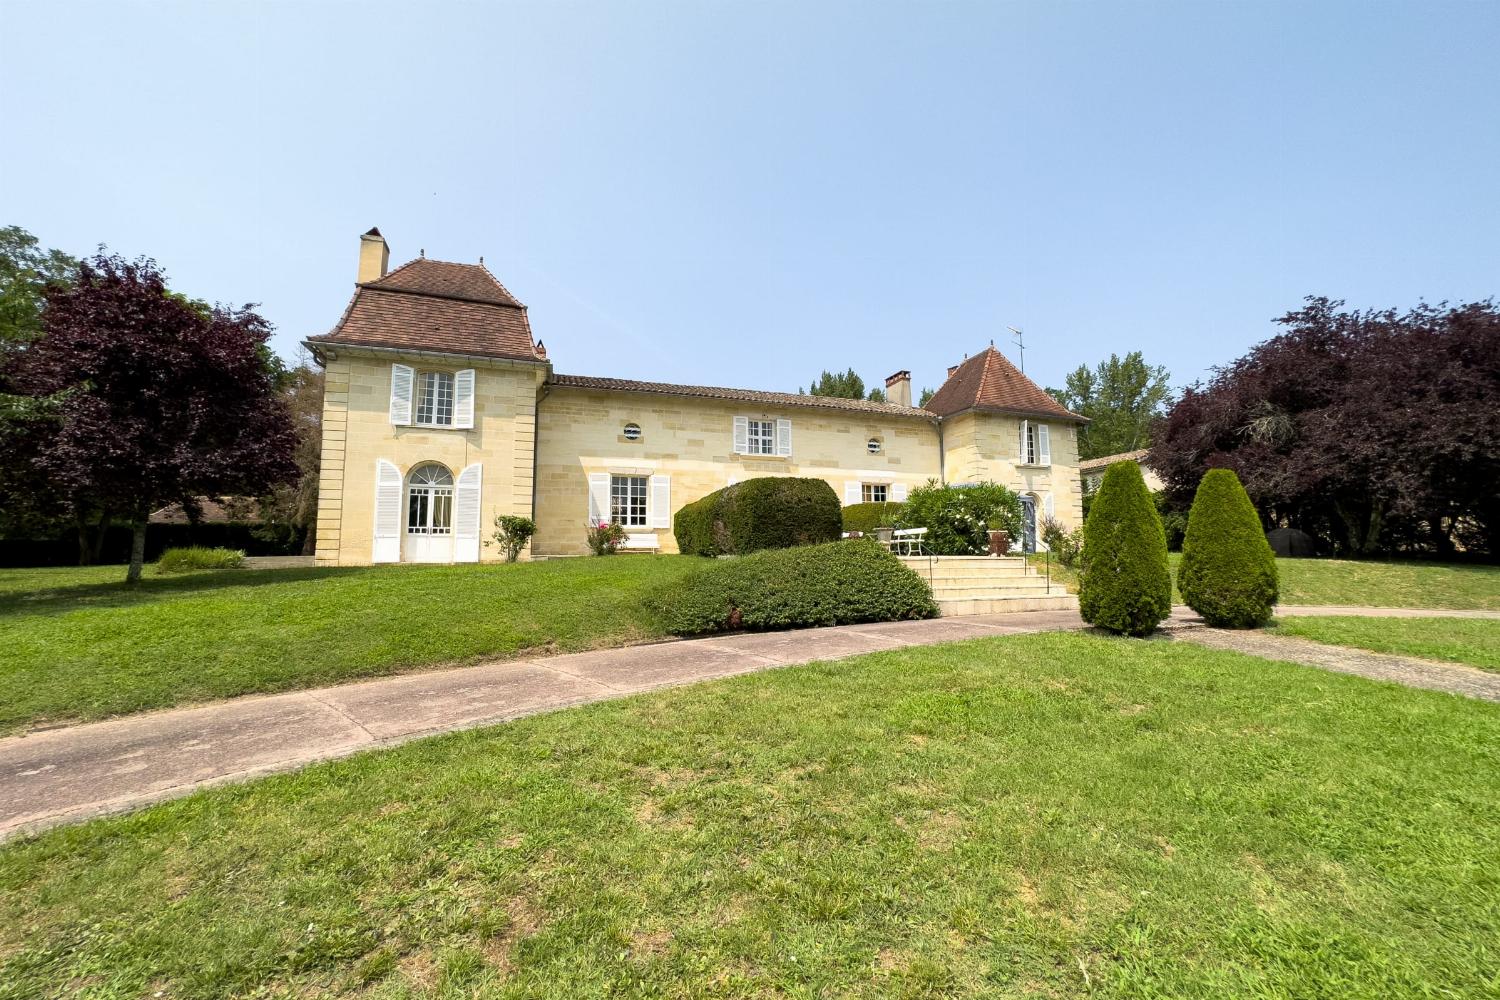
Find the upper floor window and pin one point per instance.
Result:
(874, 492)
(435, 399)
(1036, 446)
(761, 437)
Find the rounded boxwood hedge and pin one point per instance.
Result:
(1228, 571)
(838, 583)
(866, 517)
(1126, 585)
(773, 512)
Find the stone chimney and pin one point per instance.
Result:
(952, 369)
(898, 388)
(374, 257)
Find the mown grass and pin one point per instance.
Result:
(1474, 641)
(1057, 815)
(1365, 584)
(79, 645)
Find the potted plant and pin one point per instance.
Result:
(999, 537)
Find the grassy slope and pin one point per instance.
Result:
(1051, 815)
(1343, 582)
(1462, 640)
(78, 645)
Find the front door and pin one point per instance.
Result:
(1028, 524)
(429, 515)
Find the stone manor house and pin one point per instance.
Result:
(442, 411)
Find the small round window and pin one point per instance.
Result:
(632, 432)
(873, 447)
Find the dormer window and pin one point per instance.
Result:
(435, 399)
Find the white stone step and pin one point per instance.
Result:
(1001, 605)
(997, 589)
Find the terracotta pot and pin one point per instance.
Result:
(999, 543)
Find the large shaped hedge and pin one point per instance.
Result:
(1228, 571)
(838, 583)
(774, 512)
(866, 517)
(957, 518)
(1126, 585)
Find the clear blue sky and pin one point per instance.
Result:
(746, 194)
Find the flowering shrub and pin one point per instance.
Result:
(958, 518)
(604, 538)
(1066, 545)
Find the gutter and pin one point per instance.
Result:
(329, 349)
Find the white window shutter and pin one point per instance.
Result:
(387, 547)
(784, 438)
(661, 502)
(852, 492)
(898, 492)
(466, 526)
(1047, 505)
(401, 383)
(598, 497)
(1021, 453)
(741, 435)
(463, 399)
(1043, 446)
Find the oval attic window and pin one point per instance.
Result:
(632, 432)
(873, 446)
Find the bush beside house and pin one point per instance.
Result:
(958, 518)
(773, 512)
(838, 583)
(1228, 571)
(1126, 584)
(866, 517)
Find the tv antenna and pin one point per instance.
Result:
(1021, 343)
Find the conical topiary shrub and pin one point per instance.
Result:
(1228, 571)
(1126, 586)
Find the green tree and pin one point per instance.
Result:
(845, 386)
(1121, 397)
(25, 272)
(1126, 585)
(927, 395)
(1228, 571)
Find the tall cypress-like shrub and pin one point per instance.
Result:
(1228, 571)
(1127, 585)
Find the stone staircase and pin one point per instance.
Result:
(986, 585)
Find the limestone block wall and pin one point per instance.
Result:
(357, 432)
(691, 440)
(980, 447)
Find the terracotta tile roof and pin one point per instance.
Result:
(988, 381)
(739, 395)
(432, 305)
(1105, 461)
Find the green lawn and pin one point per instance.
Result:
(1473, 641)
(1367, 584)
(78, 645)
(1050, 815)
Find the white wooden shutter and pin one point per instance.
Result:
(898, 492)
(401, 380)
(784, 438)
(852, 492)
(1021, 454)
(661, 502)
(741, 435)
(463, 399)
(1043, 446)
(732, 481)
(387, 547)
(598, 497)
(466, 526)
(1047, 504)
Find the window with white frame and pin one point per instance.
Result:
(875, 492)
(760, 437)
(1028, 444)
(627, 501)
(435, 399)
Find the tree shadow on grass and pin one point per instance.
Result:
(114, 593)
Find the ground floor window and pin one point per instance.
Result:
(875, 492)
(761, 437)
(429, 501)
(627, 501)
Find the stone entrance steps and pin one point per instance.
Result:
(982, 585)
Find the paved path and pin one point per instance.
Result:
(57, 776)
(1453, 678)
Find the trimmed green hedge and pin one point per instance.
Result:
(838, 583)
(182, 560)
(1126, 584)
(866, 517)
(773, 512)
(1228, 571)
(957, 518)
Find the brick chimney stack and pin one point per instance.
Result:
(374, 256)
(898, 388)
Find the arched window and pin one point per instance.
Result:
(435, 399)
(429, 500)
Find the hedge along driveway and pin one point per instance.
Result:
(80, 646)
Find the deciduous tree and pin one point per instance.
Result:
(1122, 397)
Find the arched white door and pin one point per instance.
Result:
(429, 514)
